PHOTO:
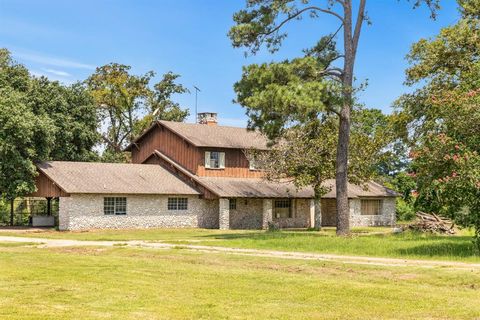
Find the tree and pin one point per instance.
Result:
(118, 96)
(24, 139)
(127, 105)
(73, 113)
(440, 119)
(39, 120)
(262, 23)
(160, 103)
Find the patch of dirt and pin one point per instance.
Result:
(79, 250)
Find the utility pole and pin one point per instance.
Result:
(197, 90)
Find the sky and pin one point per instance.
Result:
(67, 40)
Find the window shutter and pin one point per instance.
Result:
(221, 160)
(207, 159)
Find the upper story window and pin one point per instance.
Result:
(214, 160)
(115, 205)
(252, 164)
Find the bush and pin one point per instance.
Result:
(404, 210)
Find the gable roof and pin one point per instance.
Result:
(202, 135)
(114, 178)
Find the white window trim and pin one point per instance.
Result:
(221, 160)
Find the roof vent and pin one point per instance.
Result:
(208, 118)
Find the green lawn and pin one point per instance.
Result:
(128, 283)
(378, 242)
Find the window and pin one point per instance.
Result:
(252, 164)
(177, 204)
(214, 160)
(232, 204)
(371, 207)
(282, 208)
(115, 206)
(255, 162)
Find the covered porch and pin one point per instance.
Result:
(265, 213)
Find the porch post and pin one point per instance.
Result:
(267, 213)
(224, 214)
(315, 214)
(49, 206)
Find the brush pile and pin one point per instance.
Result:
(430, 222)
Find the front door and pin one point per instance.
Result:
(329, 212)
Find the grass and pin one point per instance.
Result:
(130, 283)
(379, 242)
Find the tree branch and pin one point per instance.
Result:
(358, 24)
(298, 13)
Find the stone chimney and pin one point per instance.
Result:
(208, 118)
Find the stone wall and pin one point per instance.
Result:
(247, 215)
(387, 218)
(79, 212)
(300, 215)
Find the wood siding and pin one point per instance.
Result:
(168, 143)
(236, 165)
(47, 188)
(206, 194)
(190, 157)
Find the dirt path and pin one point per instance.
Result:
(362, 260)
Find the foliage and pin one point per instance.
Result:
(40, 120)
(440, 119)
(73, 113)
(127, 105)
(24, 139)
(294, 105)
(118, 96)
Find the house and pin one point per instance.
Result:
(195, 175)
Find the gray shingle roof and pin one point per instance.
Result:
(114, 178)
(202, 135)
(260, 188)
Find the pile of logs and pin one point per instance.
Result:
(430, 222)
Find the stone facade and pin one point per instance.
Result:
(80, 212)
(386, 218)
(224, 214)
(247, 215)
(301, 216)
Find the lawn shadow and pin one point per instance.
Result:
(458, 247)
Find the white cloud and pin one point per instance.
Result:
(52, 61)
(52, 77)
(57, 72)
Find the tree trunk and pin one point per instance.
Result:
(11, 212)
(318, 192)
(343, 214)
(343, 210)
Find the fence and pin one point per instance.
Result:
(24, 209)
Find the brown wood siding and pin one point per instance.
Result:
(47, 188)
(168, 143)
(236, 165)
(206, 194)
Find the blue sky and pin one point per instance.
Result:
(66, 40)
